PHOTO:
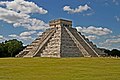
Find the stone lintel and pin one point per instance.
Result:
(61, 22)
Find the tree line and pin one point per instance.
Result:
(113, 52)
(10, 48)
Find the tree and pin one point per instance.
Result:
(13, 47)
(115, 52)
(1, 49)
(108, 52)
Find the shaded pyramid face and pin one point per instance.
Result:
(61, 40)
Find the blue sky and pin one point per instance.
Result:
(24, 20)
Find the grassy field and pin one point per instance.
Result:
(59, 69)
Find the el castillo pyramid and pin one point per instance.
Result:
(61, 40)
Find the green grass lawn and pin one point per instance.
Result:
(59, 69)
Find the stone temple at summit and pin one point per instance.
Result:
(61, 40)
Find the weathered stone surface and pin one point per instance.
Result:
(61, 40)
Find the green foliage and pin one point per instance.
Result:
(1, 50)
(60, 69)
(113, 52)
(108, 52)
(10, 48)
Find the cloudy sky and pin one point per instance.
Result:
(24, 20)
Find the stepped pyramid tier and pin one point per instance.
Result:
(61, 40)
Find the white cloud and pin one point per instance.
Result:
(89, 14)
(113, 41)
(14, 14)
(20, 19)
(22, 38)
(23, 6)
(114, 36)
(91, 37)
(32, 24)
(76, 10)
(13, 36)
(115, 2)
(17, 13)
(117, 18)
(27, 38)
(94, 30)
(1, 37)
(11, 16)
(39, 33)
(25, 34)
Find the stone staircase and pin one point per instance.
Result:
(68, 45)
(84, 42)
(81, 48)
(52, 49)
(30, 50)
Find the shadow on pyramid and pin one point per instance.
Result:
(61, 40)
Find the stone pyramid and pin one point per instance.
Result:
(60, 40)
